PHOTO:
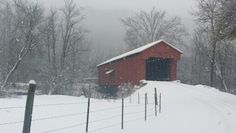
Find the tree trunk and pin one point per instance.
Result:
(213, 59)
(22, 54)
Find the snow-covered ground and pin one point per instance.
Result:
(185, 109)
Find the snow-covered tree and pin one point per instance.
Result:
(27, 17)
(216, 19)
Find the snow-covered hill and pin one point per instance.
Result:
(185, 109)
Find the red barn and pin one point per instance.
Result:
(154, 61)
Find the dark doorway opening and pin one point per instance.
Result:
(158, 69)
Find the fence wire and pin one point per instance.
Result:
(131, 105)
(61, 116)
(52, 105)
(11, 123)
(64, 128)
(118, 124)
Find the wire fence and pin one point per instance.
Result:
(64, 128)
(50, 105)
(130, 105)
(118, 124)
(104, 119)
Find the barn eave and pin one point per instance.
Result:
(136, 51)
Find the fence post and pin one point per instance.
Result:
(87, 121)
(29, 106)
(122, 112)
(160, 103)
(155, 96)
(130, 99)
(145, 106)
(138, 99)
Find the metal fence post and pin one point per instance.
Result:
(145, 117)
(122, 112)
(138, 99)
(29, 106)
(155, 96)
(160, 103)
(87, 121)
(130, 99)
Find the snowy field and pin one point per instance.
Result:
(185, 109)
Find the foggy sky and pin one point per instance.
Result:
(103, 18)
(177, 7)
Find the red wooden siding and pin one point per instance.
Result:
(132, 69)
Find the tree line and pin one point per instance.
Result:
(214, 46)
(45, 46)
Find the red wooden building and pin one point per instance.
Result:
(154, 61)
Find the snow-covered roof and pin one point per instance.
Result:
(137, 50)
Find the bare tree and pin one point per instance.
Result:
(28, 17)
(217, 22)
(71, 18)
(200, 60)
(50, 31)
(59, 61)
(207, 15)
(145, 27)
(227, 19)
(73, 38)
(7, 37)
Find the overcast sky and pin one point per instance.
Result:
(176, 7)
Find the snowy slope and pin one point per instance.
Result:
(185, 109)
